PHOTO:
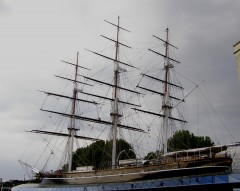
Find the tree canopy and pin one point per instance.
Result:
(152, 155)
(98, 154)
(183, 139)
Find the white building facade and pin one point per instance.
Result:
(236, 49)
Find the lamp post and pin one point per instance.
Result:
(119, 156)
(135, 155)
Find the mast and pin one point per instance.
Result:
(166, 102)
(167, 97)
(115, 115)
(72, 129)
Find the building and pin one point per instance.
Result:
(236, 49)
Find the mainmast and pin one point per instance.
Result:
(115, 115)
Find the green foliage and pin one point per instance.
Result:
(98, 154)
(65, 168)
(152, 155)
(183, 140)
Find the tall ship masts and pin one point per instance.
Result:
(163, 164)
(72, 129)
(115, 114)
(166, 102)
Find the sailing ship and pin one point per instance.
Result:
(166, 164)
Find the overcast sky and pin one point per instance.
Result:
(36, 35)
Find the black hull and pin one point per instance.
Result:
(193, 171)
(144, 173)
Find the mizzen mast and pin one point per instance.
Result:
(73, 116)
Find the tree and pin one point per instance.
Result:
(98, 154)
(183, 139)
(152, 155)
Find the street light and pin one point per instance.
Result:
(135, 155)
(119, 156)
